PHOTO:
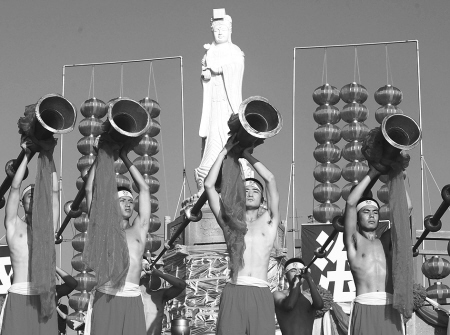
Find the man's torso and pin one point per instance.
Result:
(298, 321)
(19, 242)
(136, 248)
(371, 266)
(259, 242)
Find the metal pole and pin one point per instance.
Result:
(183, 128)
(354, 44)
(293, 159)
(419, 94)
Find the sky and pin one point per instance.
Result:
(38, 38)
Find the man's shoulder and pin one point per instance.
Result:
(278, 295)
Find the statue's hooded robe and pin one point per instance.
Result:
(222, 95)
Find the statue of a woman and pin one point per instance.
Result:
(222, 73)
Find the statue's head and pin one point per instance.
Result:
(221, 29)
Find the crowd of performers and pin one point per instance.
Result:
(124, 303)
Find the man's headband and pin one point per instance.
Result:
(257, 182)
(294, 265)
(366, 203)
(124, 193)
(28, 188)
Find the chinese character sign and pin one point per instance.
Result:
(5, 270)
(333, 271)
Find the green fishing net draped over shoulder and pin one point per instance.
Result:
(232, 211)
(106, 250)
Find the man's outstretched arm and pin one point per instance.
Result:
(317, 301)
(287, 302)
(69, 285)
(178, 285)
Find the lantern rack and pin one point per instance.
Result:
(292, 176)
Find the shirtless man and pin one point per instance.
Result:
(123, 312)
(370, 262)
(23, 302)
(156, 299)
(295, 309)
(246, 304)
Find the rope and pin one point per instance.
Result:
(179, 199)
(149, 78)
(324, 67)
(287, 207)
(91, 85)
(356, 68)
(121, 81)
(388, 68)
(437, 186)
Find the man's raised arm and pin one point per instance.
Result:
(55, 196)
(14, 194)
(273, 198)
(350, 207)
(211, 178)
(143, 218)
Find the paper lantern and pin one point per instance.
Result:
(123, 181)
(388, 94)
(79, 301)
(154, 129)
(327, 172)
(147, 146)
(438, 291)
(326, 212)
(81, 223)
(354, 131)
(79, 264)
(353, 92)
(151, 181)
(383, 194)
(86, 145)
(327, 192)
(86, 281)
(155, 223)
(354, 112)
(326, 94)
(90, 126)
(93, 107)
(85, 162)
(436, 268)
(153, 242)
(352, 152)
(386, 110)
(146, 165)
(354, 171)
(346, 190)
(327, 153)
(78, 241)
(327, 133)
(327, 114)
(151, 106)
